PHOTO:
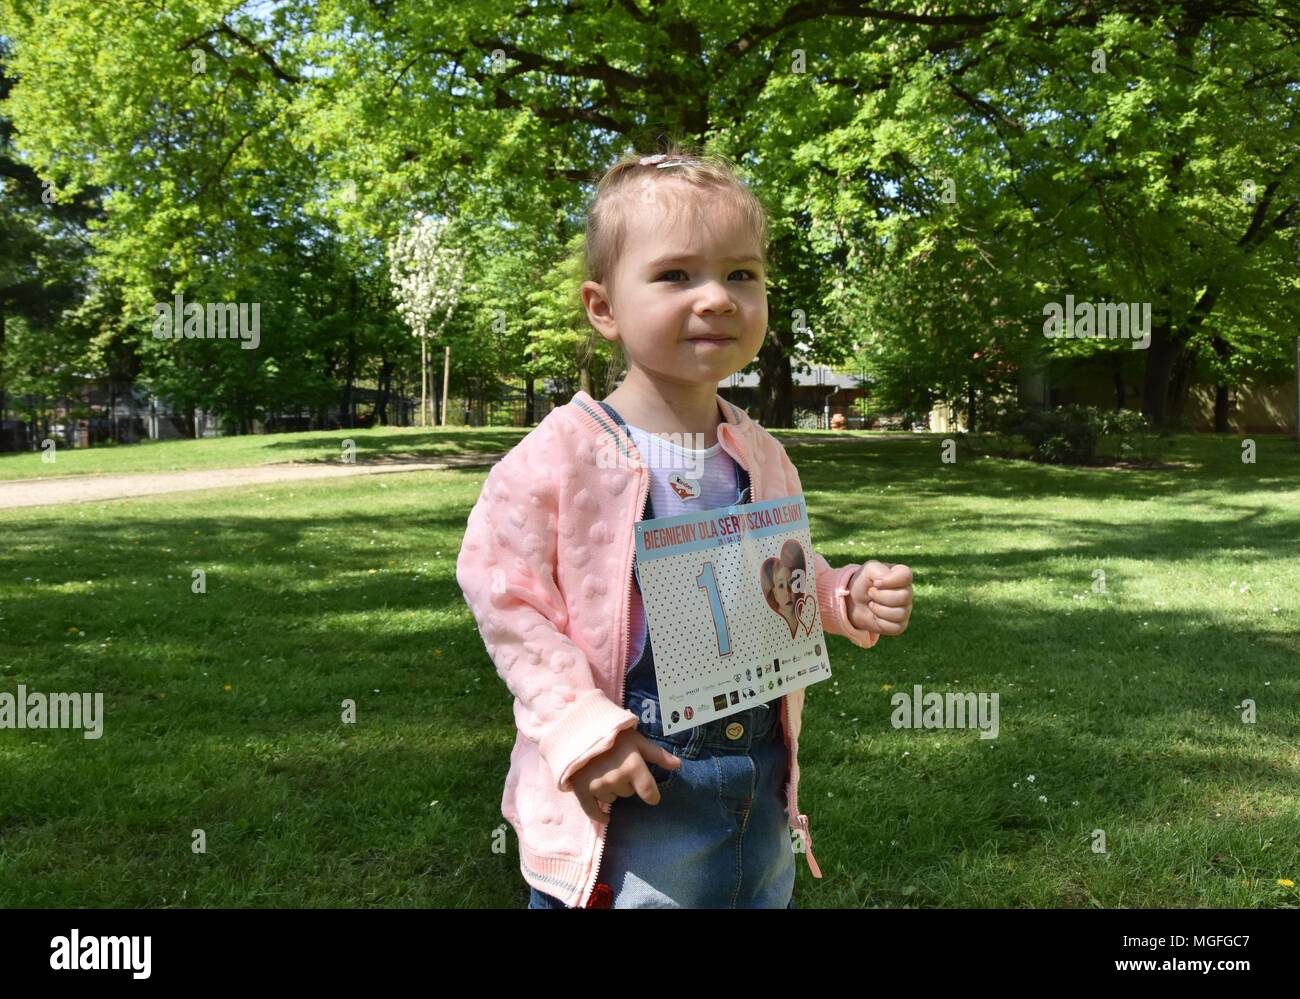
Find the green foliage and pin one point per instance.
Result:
(933, 183)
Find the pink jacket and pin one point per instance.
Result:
(546, 567)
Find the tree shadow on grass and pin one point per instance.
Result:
(426, 445)
(294, 642)
(916, 469)
(1267, 534)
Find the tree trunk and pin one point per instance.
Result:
(775, 383)
(446, 374)
(1117, 373)
(4, 398)
(1161, 355)
(347, 404)
(385, 389)
(530, 402)
(348, 416)
(1224, 350)
(970, 408)
(1179, 383)
(424, 382)
(1220, 409)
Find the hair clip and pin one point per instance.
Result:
(661, 161)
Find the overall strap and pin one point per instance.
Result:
(742, 484)
(649, 506)
(613, 413)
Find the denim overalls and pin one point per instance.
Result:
(719, 837)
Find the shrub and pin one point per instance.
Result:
(1073, 435)
(1065, 436)
(1120, 429)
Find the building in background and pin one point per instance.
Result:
(820, 394)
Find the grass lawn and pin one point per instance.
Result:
(223, 709)
(376, 444)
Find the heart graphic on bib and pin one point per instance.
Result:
(807, 612)
(684, 487)
(784, 579)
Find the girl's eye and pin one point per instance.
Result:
(752, 275)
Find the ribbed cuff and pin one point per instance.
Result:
(587, 729)
(833, 595)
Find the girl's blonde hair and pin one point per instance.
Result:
(710, 179)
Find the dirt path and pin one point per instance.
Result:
(56, 490)
(870, 435)
(94, 488)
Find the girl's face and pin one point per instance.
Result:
(689, 307)
(781, 589)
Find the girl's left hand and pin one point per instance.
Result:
(880, 598)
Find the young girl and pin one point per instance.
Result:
(707, 816)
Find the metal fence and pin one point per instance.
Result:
(504, 413)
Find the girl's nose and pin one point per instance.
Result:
(716, 298)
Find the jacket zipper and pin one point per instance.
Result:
(622, 679)
(798, 821)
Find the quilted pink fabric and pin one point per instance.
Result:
(546, 568)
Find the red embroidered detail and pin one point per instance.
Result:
(601, 897)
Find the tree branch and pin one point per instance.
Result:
(266, 57)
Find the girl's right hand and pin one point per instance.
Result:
(621, 772)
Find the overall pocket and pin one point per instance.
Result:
(675, 744)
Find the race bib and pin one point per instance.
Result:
(731, 607)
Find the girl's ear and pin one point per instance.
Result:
(600, 311)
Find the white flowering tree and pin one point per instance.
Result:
(427, 271)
